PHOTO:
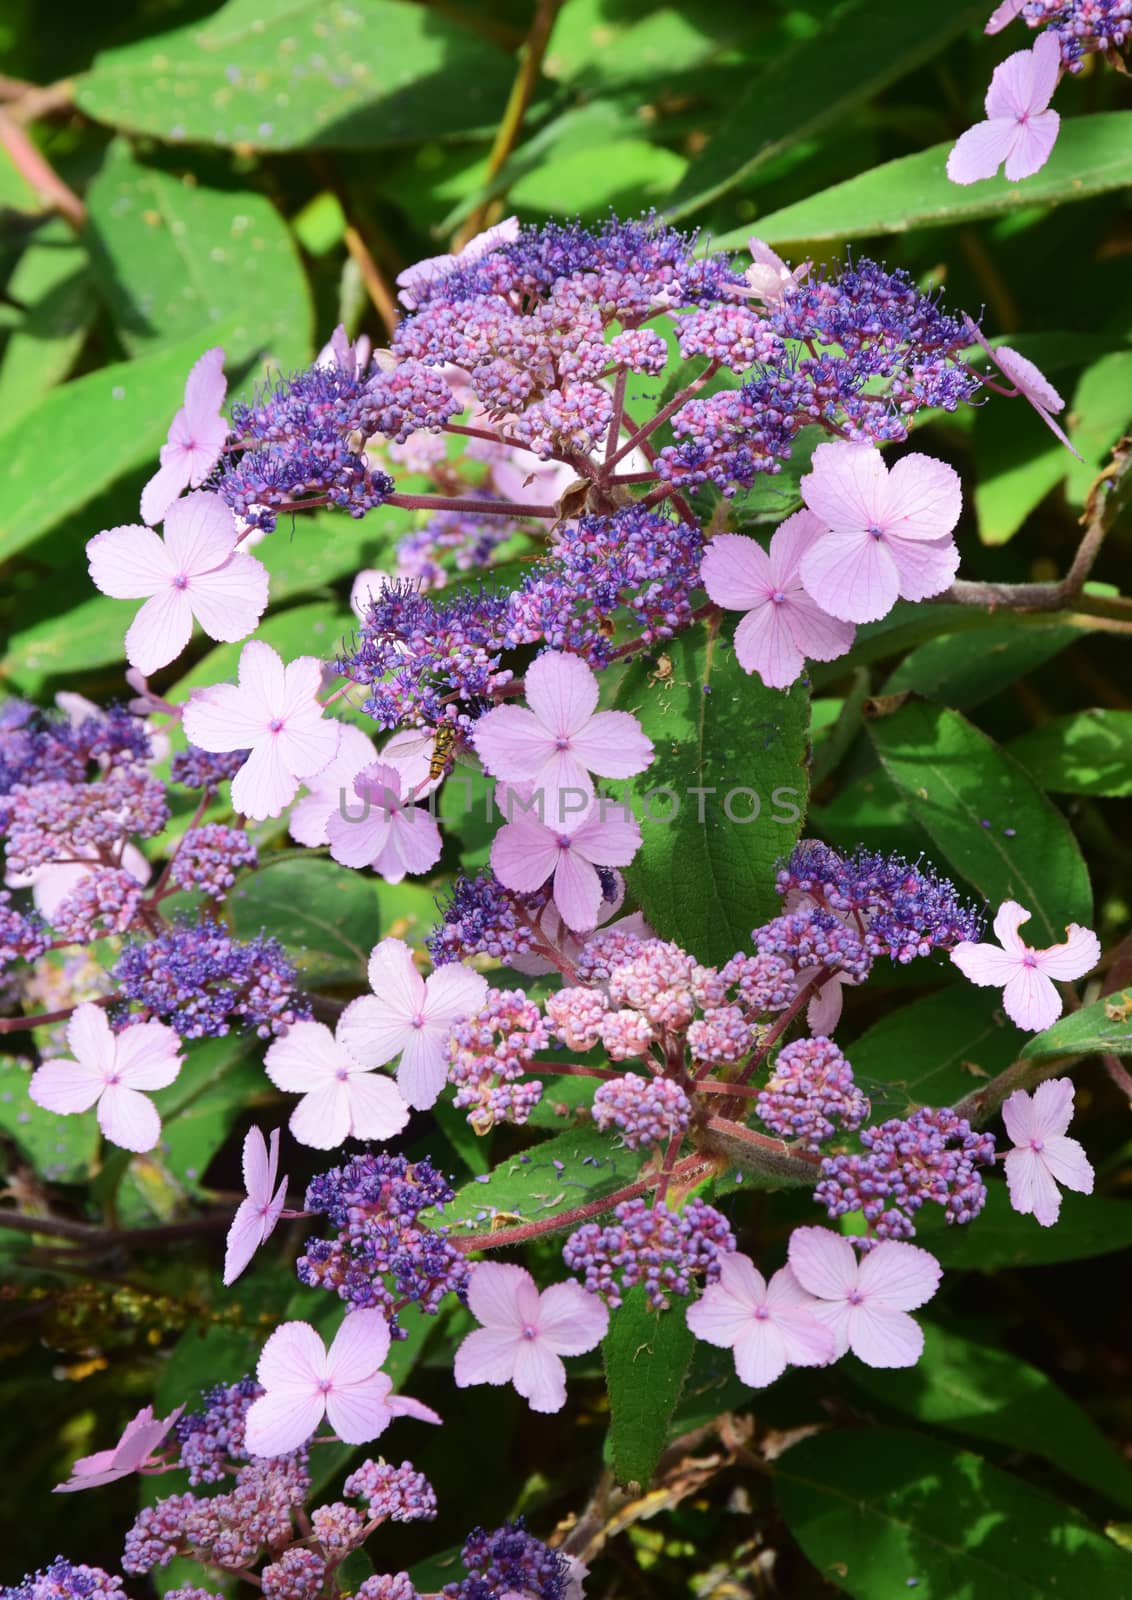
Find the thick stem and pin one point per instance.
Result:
(82, 1233)
(34, 167)
(440, 502)
(44, 1018)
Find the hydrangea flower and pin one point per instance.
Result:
(197, 436)
(111, 1071)
(304, 1382)
(391, 835)
(1020, 129)
(783, 624)
(768, 1326)
(526, 852)
(1030, 382)
(274, 714)
(865, 1301)
(1026, 975)
(256, 1216)
(140, 1438)
(1043, 1157)
(562, 738)
(409, 1016)
(524, 1333)
(341, 1098)
(889, 533)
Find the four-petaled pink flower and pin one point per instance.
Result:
(410, 1016)
(1025, 975)
(196, 571)
(274, 713)
(768, 1326)
(768, 277)
(1020, 128)
(306, 1382)
(1029, 381)
(889, 533)
(383, 829)
(783, 624)
(309, 816)
(257, 1216)
(112, 1071)
(140, 1438)
(197, 436)
(433, 268)
(526, 852)
(341, 1097)
(865, 1301)
(1043, 1157)
(563, 738)
(525, 1333)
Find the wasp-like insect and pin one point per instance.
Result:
(440, 762)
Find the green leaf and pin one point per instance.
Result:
(1100, 412)
(1086, 752)
(1089, 1225)
(219, 1080)
(1104, 1028)
(948, 670)
(61, 1149)
(863, 47)
(647, 1354)
(988, 1393)
(93, 637)
(113, 421)
(706, 883)
(280, 74)
(625, 174)
(51, 281)
(933, 1051)
(574, 1168)
(326, 916)
(172, 258)
(874, 1508)
(985, 815)
(1016, 467)
(1092, 156)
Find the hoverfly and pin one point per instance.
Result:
(440, 762)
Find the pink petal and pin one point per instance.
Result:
(394, 979)
(1053, 1108)
(487, 1356)
(577, 891)
(824, 1263)
(259, 1167)
(423, 1071)
(308, 743)
(128, 1119)
(718, 1317)
(824, 1011)
(321, 1119)
(736, 572)
(899, 1275)
(833, 1316)
(265, 784)
(244, 1238)
(1045, 68)
(66, 1087)
(281, 1421)
(851, 575)
(358, 840)
(816, 634)
(360, 1346)
(371, 1034)
(923, 499)
(809, 1343)
(147, 1055)
(925, 567)
(262, 679)
(1026, 376)
(539, 1376)
(377, 1110)
(789, 543)
(160, 631)
(523, 855)
(764, 643)
(306, 1057)
(200, 534)
(612, 745)
(1011, 92)
(294, 1357)
(881, 1337)
(562, 692)
(482, 244)
(1020, 1119)
(512, 743)
(403, 1405)
(1030, 1000)
(205, 388)
(986, 965)
(129, 563)
(760, 1353)
(570, 1320)
(166, 484)
(1002, 14)
(606, 840)
(222, 718)
(846, 488)
(413, 845)
(452, 993)
(1031, 1186)
(1035, 141)
(361, 1411)
(1073, 959)
(502, 1296)
(979, 152)
(1068, 1164)
(309, 816)
(91, 1037)
(229, 601)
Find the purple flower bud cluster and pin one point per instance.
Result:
(392, 1494)
(481, 917)
(105, 901)
(605, 950)
(209, 857)
(576, 1016)
(297, 1575)
(205, 769)
(66, 1580)
(36, 748)
(489, 1052)
(932, 1155)
(812, 938)
(59, 820)
(721, 1036)
(212, 1438)
(1083, 27)
(203, 982)
(382, 1253)
(762, 982)
(509, 1560)
(23, 936)
(810, 1093)
(645, 1111)
(225, 1530)
(665, 1250)
(338, 1529)
(388, 1586)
